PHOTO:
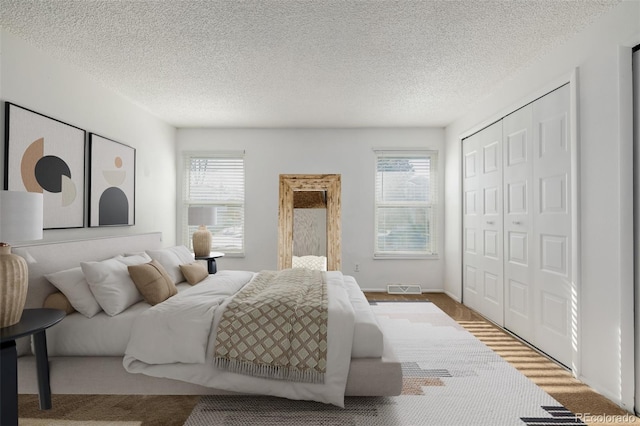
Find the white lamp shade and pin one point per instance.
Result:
(202, 215)
(20, 216)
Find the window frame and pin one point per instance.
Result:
(185, 202)
(432, 205)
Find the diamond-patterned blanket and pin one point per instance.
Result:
(276, 327)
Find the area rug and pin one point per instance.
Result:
(450, 378)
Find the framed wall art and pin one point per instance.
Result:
(111, 182)
(45, 155)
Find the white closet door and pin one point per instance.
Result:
(517, 224)
(471, 207)
(518, 201)
(552, 300)
(482, 265)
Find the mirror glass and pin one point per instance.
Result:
(310, 229)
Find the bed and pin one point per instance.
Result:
(86, 354)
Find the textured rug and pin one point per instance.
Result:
(450, 378)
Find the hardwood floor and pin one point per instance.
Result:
(555, 379)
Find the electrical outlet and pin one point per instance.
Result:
(357, 268)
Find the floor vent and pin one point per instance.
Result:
(404, 289)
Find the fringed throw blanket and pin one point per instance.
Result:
(276, 327)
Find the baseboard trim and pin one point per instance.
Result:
(451, 295)
(428, 290)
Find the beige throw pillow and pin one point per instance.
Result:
(153, 282)
(58, 300)
(194, 272)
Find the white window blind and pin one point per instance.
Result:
(216, 181)
(406, 197)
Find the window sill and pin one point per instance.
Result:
(406, 257)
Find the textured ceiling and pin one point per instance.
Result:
(292, 63)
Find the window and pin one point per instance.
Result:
(406, 204)
(216, 181)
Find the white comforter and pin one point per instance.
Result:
(175, 339)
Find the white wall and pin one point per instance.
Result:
(603, 57)
(31, 79)
(349, 152)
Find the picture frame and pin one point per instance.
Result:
(46, 155)
(112, 174)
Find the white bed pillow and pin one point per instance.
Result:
(134, 259)
(111, 284)
(72, 283)
(138, 253)
(171, 258)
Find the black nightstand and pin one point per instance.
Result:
(33, 322)
(211, 261)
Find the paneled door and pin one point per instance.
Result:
(482, 235)
(518, 221)
(555, 298)
(517, 259)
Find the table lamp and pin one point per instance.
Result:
(20, 220)
(202, 216)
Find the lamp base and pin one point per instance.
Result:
(202, 242)
(13, 286)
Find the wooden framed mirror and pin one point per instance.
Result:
(316, 187)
